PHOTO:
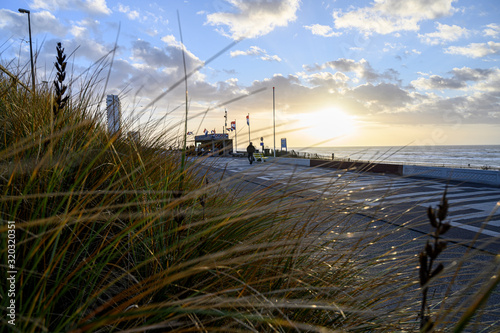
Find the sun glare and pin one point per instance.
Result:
(331, 123)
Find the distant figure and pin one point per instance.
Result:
(333, 156)
(250, 151)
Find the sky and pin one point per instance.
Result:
(345, 73)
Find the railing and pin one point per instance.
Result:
(307, 155)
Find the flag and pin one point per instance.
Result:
(248, 119)
(213, 131)
(205, 131)
(189, 133)
(233, 125)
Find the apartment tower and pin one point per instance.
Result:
(114, 110)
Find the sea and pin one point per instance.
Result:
(485, 157)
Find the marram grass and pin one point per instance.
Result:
(107, 240)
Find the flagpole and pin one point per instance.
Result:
(235, 137)
(248, 123)
(274, 125)
(225, 121)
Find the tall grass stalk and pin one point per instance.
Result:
(184, 143)
(106, 241)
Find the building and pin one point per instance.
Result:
(134, 136)
(114, 111)
(214, 144)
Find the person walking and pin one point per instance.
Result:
(250, 151)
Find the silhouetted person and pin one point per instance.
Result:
(250, 151)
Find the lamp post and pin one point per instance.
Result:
(25, 11)
(274, 125)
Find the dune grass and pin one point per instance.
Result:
(113, 234)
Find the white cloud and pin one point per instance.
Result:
(79, 48)
(152, 32)
(475, 74)
(444, 33)
(362, 69)
(94, 7)
(390, 16)
(475, 50)
(44, 21)
(51, 5)
(255, 51)
(169, 57)
(491, 83)
(423, 9)
(78, 31)
(131, 14)
(91, 24)
(370, 21)
(171, 41)
(437, 82)
(333, 81)
(322, 30)
(492, 30)
(381, 97)
(392, 46)
(254, 18)
(375, 102)
(268, 57)
(481, 80)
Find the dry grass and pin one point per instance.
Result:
(114, 235)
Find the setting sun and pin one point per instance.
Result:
(327, 124)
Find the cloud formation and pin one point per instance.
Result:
(362, 69)
(438, 82)
(389, 16)
(92, 7)
(256, 51)
(382, 102)
(444, 33)
(492, 30)
(168, 59)
(367, 89)
(461, 78)
(254, 18)
(17, 24)
(322, 30)
(131, 14)
(475, 50)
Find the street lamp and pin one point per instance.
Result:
(25, 11)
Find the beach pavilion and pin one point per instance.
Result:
(217, 144)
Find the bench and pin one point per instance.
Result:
(259, 157)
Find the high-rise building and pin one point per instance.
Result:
(134, 136)
(114, 110)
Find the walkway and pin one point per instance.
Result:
(398, 200)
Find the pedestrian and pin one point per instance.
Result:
(250, 151)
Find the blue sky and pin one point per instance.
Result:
(383, 72)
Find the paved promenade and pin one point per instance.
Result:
(399, 200)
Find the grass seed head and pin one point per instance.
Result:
(60, 88)
(432, 217)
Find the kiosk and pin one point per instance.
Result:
(213, 144)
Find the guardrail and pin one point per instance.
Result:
(488, 177)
